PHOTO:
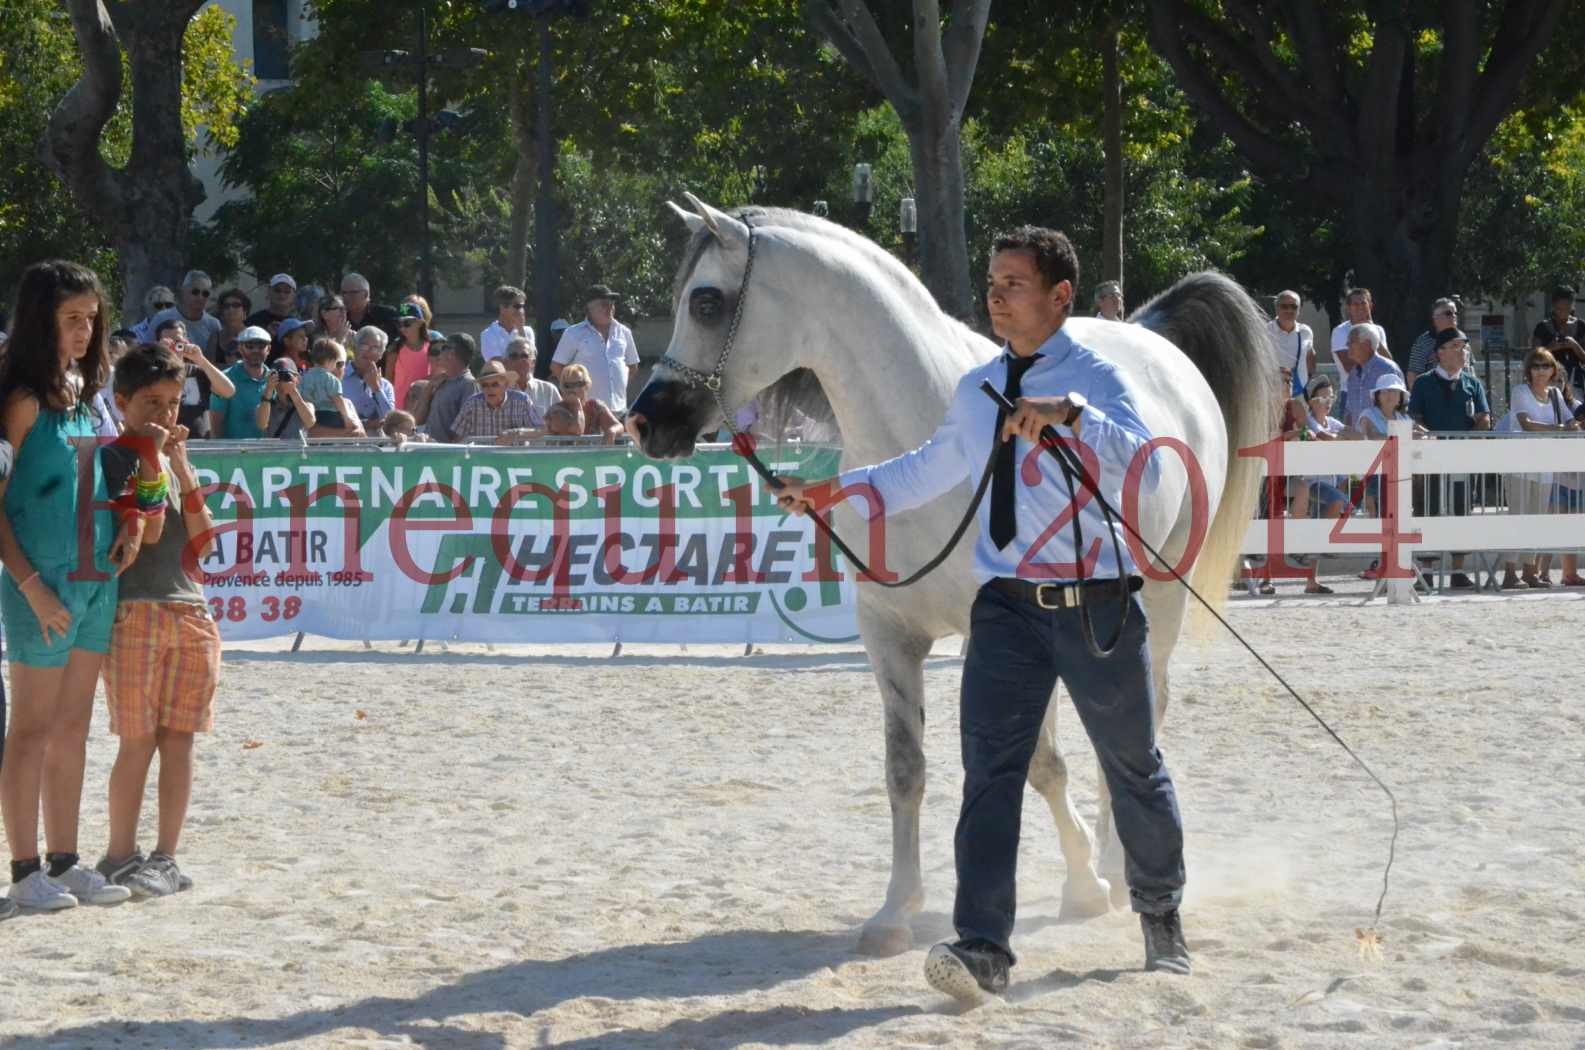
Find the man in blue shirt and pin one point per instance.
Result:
(1027, 616)
(232, 418)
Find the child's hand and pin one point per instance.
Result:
(156, 435)
(129, 541)
(47, 609)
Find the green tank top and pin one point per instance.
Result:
(43, 496)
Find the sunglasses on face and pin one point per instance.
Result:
(202, 293)
(255, 346)
(163, 305)
(234, 304)
(1287, 306)
(573, 386)
(353, 291)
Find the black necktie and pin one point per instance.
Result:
(1004, 514)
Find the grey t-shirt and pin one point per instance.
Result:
(158, 574)
(446, 403)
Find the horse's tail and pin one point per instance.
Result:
(1219, 327)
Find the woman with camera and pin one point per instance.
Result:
(283, 411)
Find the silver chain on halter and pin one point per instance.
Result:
(711, 381)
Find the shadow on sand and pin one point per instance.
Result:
(712, 965)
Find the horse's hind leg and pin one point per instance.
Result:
(1084, 895)
(898, 663)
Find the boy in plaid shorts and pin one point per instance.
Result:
(164, 661)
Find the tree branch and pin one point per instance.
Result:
(853, 32)
(930, 61)
(1273, 99)
(71, 140)
(1524, 29)
(1378, 112)
(965, 36)
(1456, 82)
(1313, 43)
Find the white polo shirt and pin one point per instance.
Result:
(494, 339)
(607, 358)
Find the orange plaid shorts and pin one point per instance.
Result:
(163, 667)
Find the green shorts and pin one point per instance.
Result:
(93, 611)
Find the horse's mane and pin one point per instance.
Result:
(796, 402)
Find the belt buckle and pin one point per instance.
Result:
(1064, 598)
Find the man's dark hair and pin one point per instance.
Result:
(462, 345)
(1563, 291)
(166, 325)
(1054, 255)
(145, 365)
(507, 294)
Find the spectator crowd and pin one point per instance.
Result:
(1441, 396)
(313, 363)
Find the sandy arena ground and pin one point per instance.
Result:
(534, 848)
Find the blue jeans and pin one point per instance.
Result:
(1017, 651)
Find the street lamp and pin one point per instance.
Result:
(547, 263)
(908, 227)
(423, 127)
(863, 193)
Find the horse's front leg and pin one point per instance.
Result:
(898, 663)
(1084, 894)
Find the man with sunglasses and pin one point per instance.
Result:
(235, 417)
(1422, 353)
(362, 310)
(192, 309)
(155, 302)
(511, 307)
(520, 357)
(1293, 342)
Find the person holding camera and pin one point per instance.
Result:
(283, 411)
(1563, 335)
(203, 379)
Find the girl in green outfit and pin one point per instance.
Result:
(58, 591)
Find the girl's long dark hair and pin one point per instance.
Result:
(32, 361)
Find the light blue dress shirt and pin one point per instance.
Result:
(959, 449)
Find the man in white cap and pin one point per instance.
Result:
(234, 418)
(603, 345)
(281, 304)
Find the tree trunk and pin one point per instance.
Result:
(937, 155)
(146, 207)
(1112, 143)
(525, 178)
(1406, 235)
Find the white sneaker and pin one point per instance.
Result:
(90, 887)
(40, 891)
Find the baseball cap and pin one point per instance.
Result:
(254, 334)
(288, 326)
(283, 278)
(559, 325)
(601, 291)
(284, 364)
(409, 312)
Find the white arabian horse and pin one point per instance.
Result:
(821, 299)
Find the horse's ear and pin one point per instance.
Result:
(726, 229)
(695, 223)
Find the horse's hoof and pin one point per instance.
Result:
(881, 941)
(1085, 902)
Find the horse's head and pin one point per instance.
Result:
(720, 336)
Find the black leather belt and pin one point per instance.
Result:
(1061, 595)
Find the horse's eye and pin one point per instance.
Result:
(706, 305)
